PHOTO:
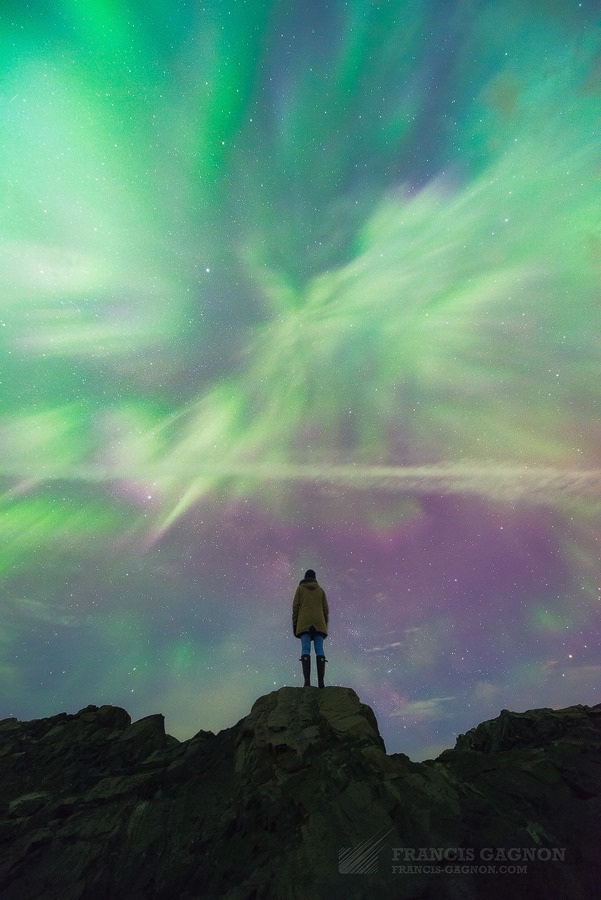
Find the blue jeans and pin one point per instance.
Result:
(306, 643)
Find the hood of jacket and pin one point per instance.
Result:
(309, 584)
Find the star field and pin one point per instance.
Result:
(300, 284)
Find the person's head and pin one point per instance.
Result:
(310, 575)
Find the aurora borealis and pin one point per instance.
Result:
(291, 284)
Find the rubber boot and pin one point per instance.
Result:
(306, 661)
(321, 669)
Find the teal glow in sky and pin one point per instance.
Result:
(292, 284)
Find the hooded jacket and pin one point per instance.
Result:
(310, 608)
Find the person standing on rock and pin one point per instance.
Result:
(310, 623)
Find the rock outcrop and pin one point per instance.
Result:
(298, 800)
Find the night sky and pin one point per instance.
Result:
(291, 284)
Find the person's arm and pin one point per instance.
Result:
(326, 611)
(295, 609)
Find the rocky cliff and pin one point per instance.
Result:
(298, 800)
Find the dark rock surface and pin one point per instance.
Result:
(285, 804)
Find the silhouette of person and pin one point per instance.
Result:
(310, 623)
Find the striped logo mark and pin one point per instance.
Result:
(362, 859)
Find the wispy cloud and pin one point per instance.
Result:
(424, 710)
(392, 646)
(32, 609)
(395, 645)
(486, 692)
